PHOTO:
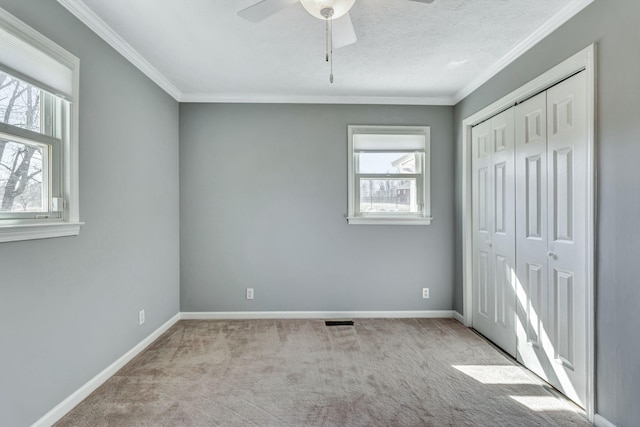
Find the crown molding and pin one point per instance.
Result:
(104, 31)
(87, 16)
(566, 13)
(97, 25)
(311, 99)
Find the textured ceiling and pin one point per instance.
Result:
(404, 48)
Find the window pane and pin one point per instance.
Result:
(21, 177)
(19, 103)
(390, 162)
(388, 195)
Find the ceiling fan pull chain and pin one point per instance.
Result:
(331, 45)
(326, 30)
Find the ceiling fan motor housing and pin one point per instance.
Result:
(318, 8)
(327, 12)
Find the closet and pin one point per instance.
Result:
(529, 198)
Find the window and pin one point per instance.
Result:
(38, 135)
(389, 175)
(29, 151)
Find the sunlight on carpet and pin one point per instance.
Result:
(379, 372)
(497, 374)
(543, 403)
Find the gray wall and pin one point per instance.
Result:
(69, 306)
(263, 193)
(262, 196)
(613, 25)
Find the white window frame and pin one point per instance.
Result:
(423, 179)
(67, 223)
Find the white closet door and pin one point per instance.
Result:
(482, 201)
(567, 251)
(551, 174)
(531, 233)
(494, 230)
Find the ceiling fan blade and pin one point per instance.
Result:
(343, 32)
(256, 11)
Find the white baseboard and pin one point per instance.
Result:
(459, 317)
(600, 421)
(83, 392)
(247, 315)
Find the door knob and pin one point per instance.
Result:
(489, 243)
(551, 254)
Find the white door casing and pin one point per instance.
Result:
(494, 230)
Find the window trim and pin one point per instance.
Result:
(69, 224)
(353, 215)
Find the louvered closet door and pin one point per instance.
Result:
(551, 207)
(494, 230)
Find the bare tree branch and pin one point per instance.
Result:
(18, 180)
(23, 104)
(7, 113)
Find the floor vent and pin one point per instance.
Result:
(338, 322)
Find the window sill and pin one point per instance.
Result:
(14, 233)
(388, 221)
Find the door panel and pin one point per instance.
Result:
(567, 252)
(563, 194)
(533, 288)
(482, 271)
(503, 232)
(503, 281)
(533, 184)
(531, 233)
(494, 244)
(562, 317)
(482, 201)
(500, 197)
(483, 279)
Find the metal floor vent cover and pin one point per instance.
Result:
(338, 322)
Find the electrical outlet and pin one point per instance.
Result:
(141, 318)
(249, 293)
(425, 293)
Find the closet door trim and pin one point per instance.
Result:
(581, 61)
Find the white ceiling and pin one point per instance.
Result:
(407, 52)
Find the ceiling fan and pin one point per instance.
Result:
(335, 13)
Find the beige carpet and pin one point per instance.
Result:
(380, 372)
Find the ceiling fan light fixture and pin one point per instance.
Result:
(318, 8)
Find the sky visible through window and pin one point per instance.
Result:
(379, 162)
